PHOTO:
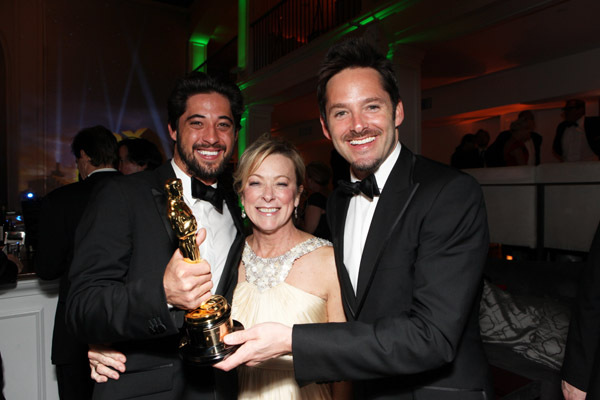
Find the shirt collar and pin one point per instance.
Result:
(385, 169)
(101, 170)
(186, 181)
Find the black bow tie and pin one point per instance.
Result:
(207, 193)
(367, 186)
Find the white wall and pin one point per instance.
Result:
(26, 322)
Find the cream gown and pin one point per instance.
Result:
(265, 297)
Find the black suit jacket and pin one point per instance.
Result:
(412, 330)
(59, 216)
(123, 244)
(581, 366)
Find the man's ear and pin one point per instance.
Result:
(324, 127)
(172, 133)
(399, 114)
(82, 154)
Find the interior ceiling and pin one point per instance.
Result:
(548, 30)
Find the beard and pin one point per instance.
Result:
(367, 167)
(198, 170)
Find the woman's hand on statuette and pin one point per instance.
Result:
(187, 285)
(259, 343)
(105, 363)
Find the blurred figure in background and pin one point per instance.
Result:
(318, 176)
(577, 137)
(10, 267)
(533, 145)
(138, 154)
(515, 149)
(482, 140)
(95, 151)
(495, 156)
(466, 154)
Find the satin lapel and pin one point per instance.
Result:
(230, 273)
(163, 173)
(395, 198)
(337, 209)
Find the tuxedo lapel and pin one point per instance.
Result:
(395, 198)
(337, 209)
(163, 173)
(229, 277)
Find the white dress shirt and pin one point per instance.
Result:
(575, 144)
(220, 229)
(359, 217)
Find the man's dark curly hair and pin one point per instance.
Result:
(196, 83)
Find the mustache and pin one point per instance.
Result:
(352, 135)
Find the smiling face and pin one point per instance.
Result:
(205, 136)
(361, 119)
(270, 194)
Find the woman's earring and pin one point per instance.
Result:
(296, 212)
(243, 213)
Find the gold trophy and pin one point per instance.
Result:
(205, 326)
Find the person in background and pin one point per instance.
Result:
(138, 154)
(581, 366)
(535, 143)
(515, 149)
(466, 154)
(482, 140)
(10, 267)
(318, 176)
(95, 151)
(410, 240)
(495, 156)
(577, 137)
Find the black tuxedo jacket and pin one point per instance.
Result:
(123, 244)
(412, 330)
(60, 214)
(581, 366)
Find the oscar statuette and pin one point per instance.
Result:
(204, 327)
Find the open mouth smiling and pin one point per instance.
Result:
(364, 140)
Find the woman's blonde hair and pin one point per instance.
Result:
(256, 153)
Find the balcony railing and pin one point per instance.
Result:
(293, 23)
(285, 28)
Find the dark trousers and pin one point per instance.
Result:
(74, 382)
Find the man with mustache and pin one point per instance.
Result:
(130, 283)
(410, 238)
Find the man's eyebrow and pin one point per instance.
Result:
(204, 116)
(228, 118)
(364, 101)
(195, 116)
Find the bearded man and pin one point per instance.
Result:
(130, 283)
